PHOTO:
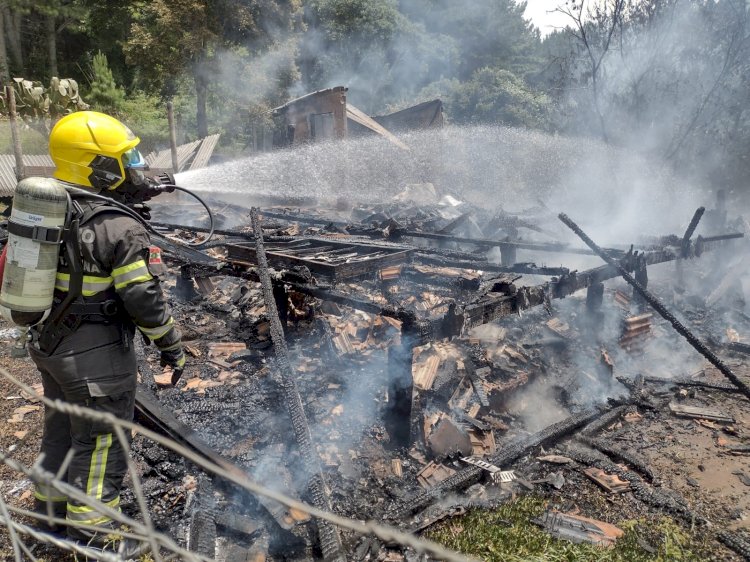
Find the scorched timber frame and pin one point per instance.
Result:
(492, 300)
(337, 260)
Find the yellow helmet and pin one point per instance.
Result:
(93, 150)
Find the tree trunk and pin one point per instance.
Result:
(201, 95)
(12, 22)
(51, 45)
(4, 72)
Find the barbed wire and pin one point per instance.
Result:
(145, 531)
(140, 532)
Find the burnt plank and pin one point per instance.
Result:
(150, 413)
(333, 259)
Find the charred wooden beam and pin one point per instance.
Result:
(397, 416)
(502, 458)
(694, 249)
(508, 221)
(736, 541)
(604, 420)
(722, 387)
(303, 219)
(219, 231)
(721, 237)
(739, 347)
(555, 247)
(588, 436)
(495, 306)
(656, 304)
(481, 264)
(150, 413)
(330, 542)
(650, 496)
(401, 232)
(691, 230)
(184, 253)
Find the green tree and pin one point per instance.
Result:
(13, 15)
(666, 77)
(373, 48)
(489, 33)
(104, 95)
(191, 36)
(57, 16)
(493, 95)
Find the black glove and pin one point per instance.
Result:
(174, 358)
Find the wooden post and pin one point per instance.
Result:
(11, 97)
(172, 137)
(508, 255)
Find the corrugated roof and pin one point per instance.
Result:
(163, 158)
(204, 153)
(190, 156)
(359, 116)
(8, 170)
(287, 105)
(422, 116)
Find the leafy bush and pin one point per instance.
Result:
(38, 106)
(498, 96)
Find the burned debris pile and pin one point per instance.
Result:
(400, 363)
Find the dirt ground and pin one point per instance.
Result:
(693, 458)
(20, 433)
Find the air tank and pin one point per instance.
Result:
(34, 240)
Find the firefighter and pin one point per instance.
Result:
(85, 353)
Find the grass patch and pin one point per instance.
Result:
(507, 534)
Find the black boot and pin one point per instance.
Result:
(55, 509)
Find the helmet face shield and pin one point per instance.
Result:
(133, 159)
(134, 164)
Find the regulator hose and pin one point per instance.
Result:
(85, 194)
(74, 191)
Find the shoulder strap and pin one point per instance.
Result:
(93, 211)
(54, 328)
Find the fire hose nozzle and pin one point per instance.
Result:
(161, 183)
(165, 179)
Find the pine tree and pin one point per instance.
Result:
(105, 95)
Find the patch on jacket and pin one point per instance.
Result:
(87, 236)
(154, 256)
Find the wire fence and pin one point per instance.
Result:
(23, 526)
